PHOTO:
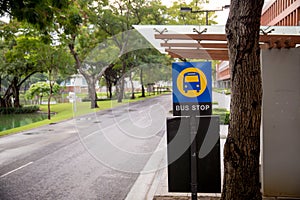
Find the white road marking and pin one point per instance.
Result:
(16, 169)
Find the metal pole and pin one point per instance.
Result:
(206, 17)
(194, 183)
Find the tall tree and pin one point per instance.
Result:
(117, 22)
(18, 67)
(56, 61)
(92, 54)
(242, 147)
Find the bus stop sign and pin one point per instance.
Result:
(192, 88)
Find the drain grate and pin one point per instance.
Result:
(33, 133)
(39, 132)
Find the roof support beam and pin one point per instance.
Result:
(198, 37)
(198, 54)
(222, 37)
(214, 46)
(196, 45)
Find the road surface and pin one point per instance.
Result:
(98, 156)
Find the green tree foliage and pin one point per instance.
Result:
(77, 30)
(18, 66)
(37, 12)
(118, 19)
(155, 13)
(98, 38)
(26, 52)
(153, 67)
(56, 62)
(38, 90)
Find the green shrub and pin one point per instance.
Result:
(223, 113)
(21, 110)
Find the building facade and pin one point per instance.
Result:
(281, 13)
(223, 75)
(275, 13)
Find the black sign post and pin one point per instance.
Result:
(207, 154)
(194, 184)
(191, 100)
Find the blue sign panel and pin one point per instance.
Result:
(192, 88)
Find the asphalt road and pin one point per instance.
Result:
(98, 156)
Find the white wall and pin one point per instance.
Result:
(281, 122)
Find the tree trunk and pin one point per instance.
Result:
(50, 94)
(16, 92)
(121, 92)
(49, 101)
(108, 89)
(242, 147)
(6, 99)
(141, 79)
(92, 91)
(132, 86)
(121, 89)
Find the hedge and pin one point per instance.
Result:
(223, 113)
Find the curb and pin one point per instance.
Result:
(146, 184)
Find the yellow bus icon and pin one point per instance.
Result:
(191, 82)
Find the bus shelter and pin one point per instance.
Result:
(280, 62)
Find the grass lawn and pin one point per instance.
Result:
(65, 111)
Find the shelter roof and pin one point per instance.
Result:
(209, 42)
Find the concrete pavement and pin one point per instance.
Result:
(97, 156)
(155, 185)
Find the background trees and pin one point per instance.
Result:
(39, 13)
(85, 26)
(97, 35)
(17, 67)
(40, 89)
(117, 20)
(55, 62)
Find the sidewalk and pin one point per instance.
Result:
(162, 188)
(154, 185)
